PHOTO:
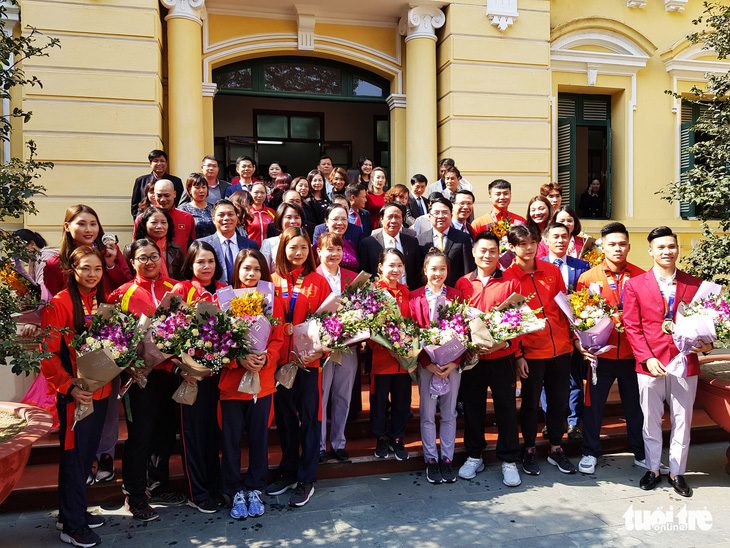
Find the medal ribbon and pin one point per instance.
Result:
(430, 295)
(617, 282)
(94, 306)
(669, 300)
(295, 294)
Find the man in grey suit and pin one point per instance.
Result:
(392, 215)
(216, 188)
(226, 242)
(456, 245)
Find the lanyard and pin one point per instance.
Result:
(431, 295)
(669, 299)
(617, 282)
(502, 216)
(295, 295)
(88, 314)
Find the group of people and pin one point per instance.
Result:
(310, 236)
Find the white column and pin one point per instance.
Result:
(10, 22)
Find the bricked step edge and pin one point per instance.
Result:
(38, 486)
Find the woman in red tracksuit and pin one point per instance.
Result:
(297, 409)
(150, 412)
(239, 411)
(390, 385)
(199, 430)
(73, 308)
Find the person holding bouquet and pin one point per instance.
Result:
(390, 385)
(199, 431)
(422, 307)
(297, 410)
(485, 288)
(617, 364)
(337, 379)
(650, 308)
(241, 411)
(151, 411)
(547, 353)
(73, 308)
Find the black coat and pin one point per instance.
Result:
(458, 249)
(369, 253)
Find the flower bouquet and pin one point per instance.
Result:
(591, 319)
(505, 321)
(500, 229)
(705, 319)
(398, 334)
(27, 294)
(592, 251)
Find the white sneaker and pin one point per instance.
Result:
(470, 468)
(587, 464)
(511, 476)
(663, 468)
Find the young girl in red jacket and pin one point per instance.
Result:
(297, 409)
(73, 308)
(390, 385)
(239, 411)
(199, 430)
(422, 302)
(151, 412)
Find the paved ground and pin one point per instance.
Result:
(551, 510)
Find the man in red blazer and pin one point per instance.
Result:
(650, 307)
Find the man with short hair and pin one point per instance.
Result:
(158, 164)
(463, 201)
(184, 223)
(325, 167)
(390, 235)
(456, 245)
(483, 289)
(554, 193)
(440, 185)
(417, 203)
(616, 365)
(245, 167)
(357, 196)
(500, 193)
(650, 308)
(226, 241)
(216, 187)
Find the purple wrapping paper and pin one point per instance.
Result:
(227, 294)
(305, 339)
(258, 334)
(449, 352)
(434, 308)
(688, 332)
(596, 337)
(439, 387)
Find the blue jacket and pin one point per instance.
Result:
(576, 267)
(241, 241)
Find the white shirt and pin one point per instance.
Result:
(437, 238)
(234, 246)
(484, 280)
(437, 186)
(389, 241)
(665, 284)
(563, 268)
(334, 281)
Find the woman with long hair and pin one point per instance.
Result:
(149, 197)
(566, 215)
(317, 198)
(242, 201)
(287, 215)
(297, 409)
(538, 213)
(376, 194)
(262, 215)
(157, 225)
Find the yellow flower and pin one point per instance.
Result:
(248, 304)
(195, 332)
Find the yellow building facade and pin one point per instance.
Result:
(531, 91)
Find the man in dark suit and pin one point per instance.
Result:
(357, 196)
(417, 202)
(390, 235)
(158, 163)
(291, 197)
(216, 188)
(226, 241)
(456, 245)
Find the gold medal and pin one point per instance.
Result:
(668, 327)
(288, 329)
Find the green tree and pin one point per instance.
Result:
(707, 184)
(19, 183)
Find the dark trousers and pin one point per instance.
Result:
(578, 366)
(151, 429)
(200, 440)
(554, 374)
(392, 391)
(78, 452)
(499, 375)
(298, 425)
(237, 416)
(607, 372)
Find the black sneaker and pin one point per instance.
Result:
(105, 469)
(529, 463)
(447, 473)
(322, 456)
(92, 521)
(302, 493)
(399, 449)
(381, 450)
(221, 499)
(167, 498)
(341, 455)
(83, 537)
(207, 506)
(90, 479)
(142, 511)
(558, 458)
(433, 472)
(280, 486)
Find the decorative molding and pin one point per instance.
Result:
(502, 13)
(306, 19)
(421, 22)
(592, 74)
(687, 67)
(209, 89)
(12, 17)
(193, 10)
(396, 100)
(636, 3)
(675, 5)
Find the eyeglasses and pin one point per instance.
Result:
(144, 259)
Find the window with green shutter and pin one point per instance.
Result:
(690, 113)
(584, 148)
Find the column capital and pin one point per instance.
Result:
(185, 9)
(421, 22)
(12, 17)
(396, 100)
(210, 89)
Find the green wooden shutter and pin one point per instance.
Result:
(566, 159)
(687, 139)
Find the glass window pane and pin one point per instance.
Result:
(235, 79)
(269, 125)
(363, 88)
(304, 127)
(302, 78)
(382, 130)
